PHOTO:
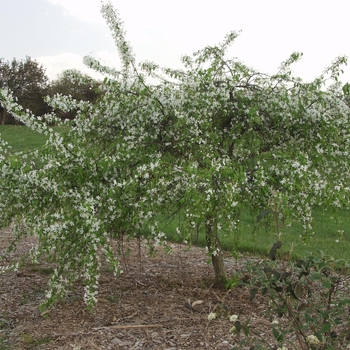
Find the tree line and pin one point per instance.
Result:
(30, 85)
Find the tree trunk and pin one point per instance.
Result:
(214, 246)
(3, 116)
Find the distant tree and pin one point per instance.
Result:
(28, 81)
(79, 86)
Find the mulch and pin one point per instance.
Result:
(160, 302)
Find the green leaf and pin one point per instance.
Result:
(277, 287)
(273, 250)
(346, 89)
(224, 307)
(277, 274)
(246, 331)
(253, 292)
(315, 276)
(278, 336)
(298, 290)
(263, 213)
(338, 321)
(344, 301)
(238, 326)
(319, 336)
(327, 284)
(284, 276)
(268, 270)
(308, 319)
(325, 328)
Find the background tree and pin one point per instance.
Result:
(28, 82)
(79, 86)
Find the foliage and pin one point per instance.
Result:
(206, 139)
(252, 236)
(308, 302)
(28, 82)
(79, 86)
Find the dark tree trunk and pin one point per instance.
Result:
(3, 116)
(214, 246)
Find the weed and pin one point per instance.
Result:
(308, 301)
(3, 344)
(31, 342)
(113, 298)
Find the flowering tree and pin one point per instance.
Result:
(204, 141)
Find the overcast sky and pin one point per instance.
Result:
(59, 33)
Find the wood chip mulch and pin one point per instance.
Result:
(159, 302)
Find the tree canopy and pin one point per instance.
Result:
(79, 86)
(28, 82)
(205, 140)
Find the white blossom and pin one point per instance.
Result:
(312, 339)
(212, 316)
(233, 318)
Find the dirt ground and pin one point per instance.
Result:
(146, 307)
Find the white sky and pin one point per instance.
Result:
(58, 33)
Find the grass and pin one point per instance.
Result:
(251, 238)
(21, 138)
(258, 239)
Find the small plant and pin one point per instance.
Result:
(232, 282)
(308, 301)
(3, 344)
(31, 342)
(113, 299)
(4, 323)
(25, 299)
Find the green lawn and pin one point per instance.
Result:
(256, 239)
(21, 138)
(252, 239)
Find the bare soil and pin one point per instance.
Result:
(146, 307)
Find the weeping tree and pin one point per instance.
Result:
(205, 140)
